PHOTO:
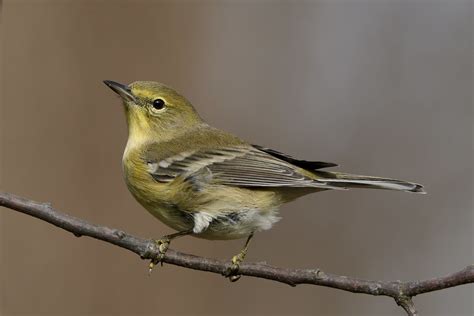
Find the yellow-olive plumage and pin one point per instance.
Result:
(196, 178)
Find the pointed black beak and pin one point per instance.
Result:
(122, 90)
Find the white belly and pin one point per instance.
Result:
(234, 225)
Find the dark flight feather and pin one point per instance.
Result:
(305, 164)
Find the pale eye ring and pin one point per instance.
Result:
(158, 104)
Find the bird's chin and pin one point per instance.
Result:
(131, 105)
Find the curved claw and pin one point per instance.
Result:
(235, 278)
(233, 271)
(163, 245)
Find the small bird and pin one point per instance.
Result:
(204, 182)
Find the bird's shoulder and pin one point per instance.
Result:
(199, 139)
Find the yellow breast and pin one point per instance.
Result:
(237, 211)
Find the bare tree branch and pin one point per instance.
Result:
(401, 292)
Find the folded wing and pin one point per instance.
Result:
(241, 166)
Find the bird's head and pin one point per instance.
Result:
(155, 110)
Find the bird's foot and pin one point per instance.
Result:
(163, 245)
(233, 271)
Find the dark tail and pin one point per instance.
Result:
(346, 180)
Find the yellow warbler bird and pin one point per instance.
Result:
(205, 182)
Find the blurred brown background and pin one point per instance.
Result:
(380, 87)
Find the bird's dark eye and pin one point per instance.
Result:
(158, 104)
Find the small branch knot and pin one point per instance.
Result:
(151, 250)
(319, 274)
(120, 234)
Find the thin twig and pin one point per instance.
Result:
(407, 304)
(401, 292)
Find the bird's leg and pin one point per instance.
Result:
(163, 244)
(232, 272)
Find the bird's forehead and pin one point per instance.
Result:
(150, 89)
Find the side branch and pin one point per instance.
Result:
(401, 292)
